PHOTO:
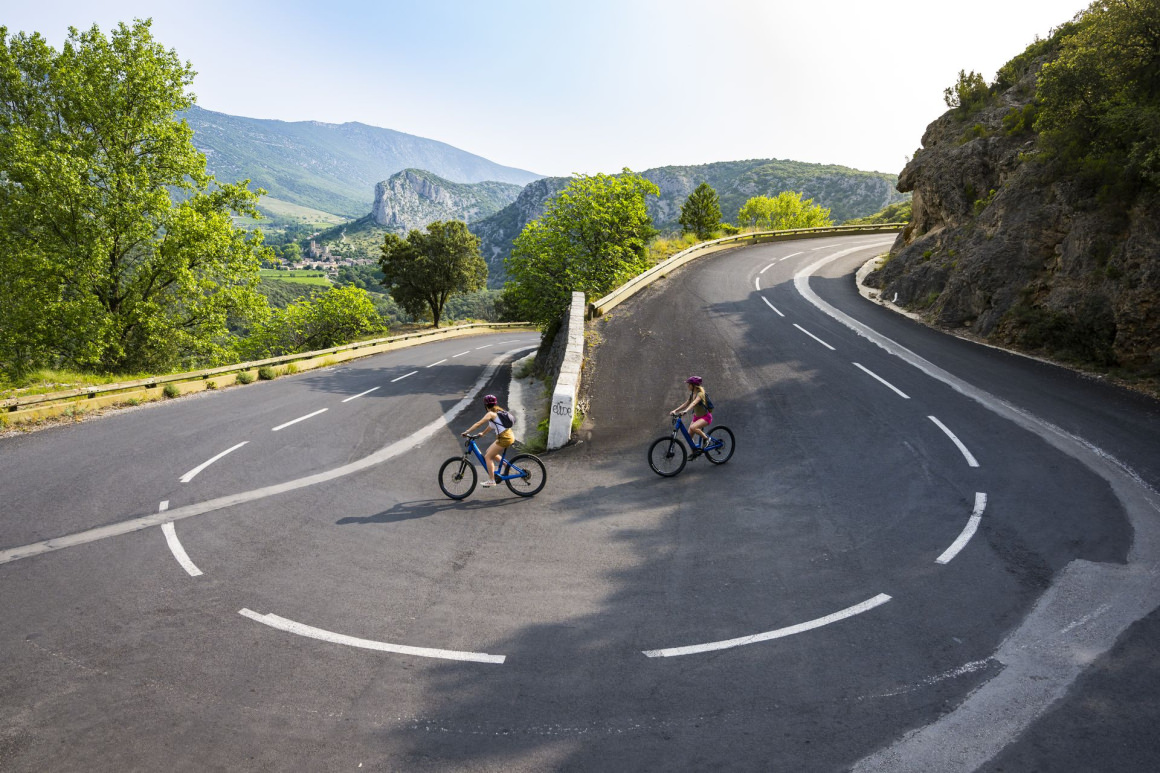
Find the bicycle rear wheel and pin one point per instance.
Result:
(533, 478)
(723, 452)
(457, 477)
(667, 456)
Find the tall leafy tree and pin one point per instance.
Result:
(424, 270)
(701, 212)
(120, 252)
(785, 210)
(593, 235)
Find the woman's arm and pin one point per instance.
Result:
(684, 406)
(489, 416)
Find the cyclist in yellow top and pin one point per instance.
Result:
(504, 436)
(701, 416)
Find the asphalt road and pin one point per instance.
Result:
(784, 611)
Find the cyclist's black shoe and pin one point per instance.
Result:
(696, 452)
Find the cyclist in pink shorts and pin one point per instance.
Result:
(698, 403)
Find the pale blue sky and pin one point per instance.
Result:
(593, 86)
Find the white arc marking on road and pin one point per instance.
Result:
(971, 460)
(1038, 664)
(791, 255)
(179, 551)
(378, 457)
(757, 283)
(300, 418)
(432, 365)
(872, 374)
(282, 624)
(767, 268)
(770, 305)
(811, 335)
(968, 530)
(400, 378)
(360, 394)
(187, 477)
(857, 609)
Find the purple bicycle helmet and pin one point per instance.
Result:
(490, 400)
(694, 380)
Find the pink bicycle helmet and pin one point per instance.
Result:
(694, 380)
(490, 400)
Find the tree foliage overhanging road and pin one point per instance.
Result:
(121, 254)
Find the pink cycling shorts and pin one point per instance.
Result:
(707, 418)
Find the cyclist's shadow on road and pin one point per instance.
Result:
(407, 511)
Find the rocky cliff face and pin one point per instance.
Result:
(1009, 249)
(496, 233)
(413, 198)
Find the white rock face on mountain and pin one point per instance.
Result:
(413, 198)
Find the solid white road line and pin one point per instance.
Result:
(787, 257)
(300, 418)
(187, 477)
(460, 354)
(872, 374)
(178, 551)
(767, 268)
(385, 453)
(865, 606)
(360, 394)
(770, 305)
(970, 459)
(282, 624)
(811, 335)
(968, 530)
(400, 378)
(432, 365)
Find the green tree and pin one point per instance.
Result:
(1099, 100)
(785, 210)
(701, 212)
(592, 236)
(102, 268)
(969, 93)
(333, 318)
(422, 271)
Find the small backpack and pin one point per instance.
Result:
(708, 403)
(506, 420)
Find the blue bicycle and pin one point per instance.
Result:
(667, 455)
(524, 473)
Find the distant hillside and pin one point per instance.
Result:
(414, 197)
(329, 167)
(848, 193)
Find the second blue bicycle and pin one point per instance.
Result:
(667, 455)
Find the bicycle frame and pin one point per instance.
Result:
(679, 424)
(470, 447)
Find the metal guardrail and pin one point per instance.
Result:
(640, 281)
(17, 403)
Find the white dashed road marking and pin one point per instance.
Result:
(770, 305)
(968, 530)
(811, 335)
(857, 609)
(460, 354)
(970, 458)
(432, 365)
(872, 374)
(300, 418)
(282, 624)
(187, 477)
(360, 394)
(400, 378)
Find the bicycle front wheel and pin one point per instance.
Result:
(457, 477)
(533, 475)
(667, 456)
(722, 453)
